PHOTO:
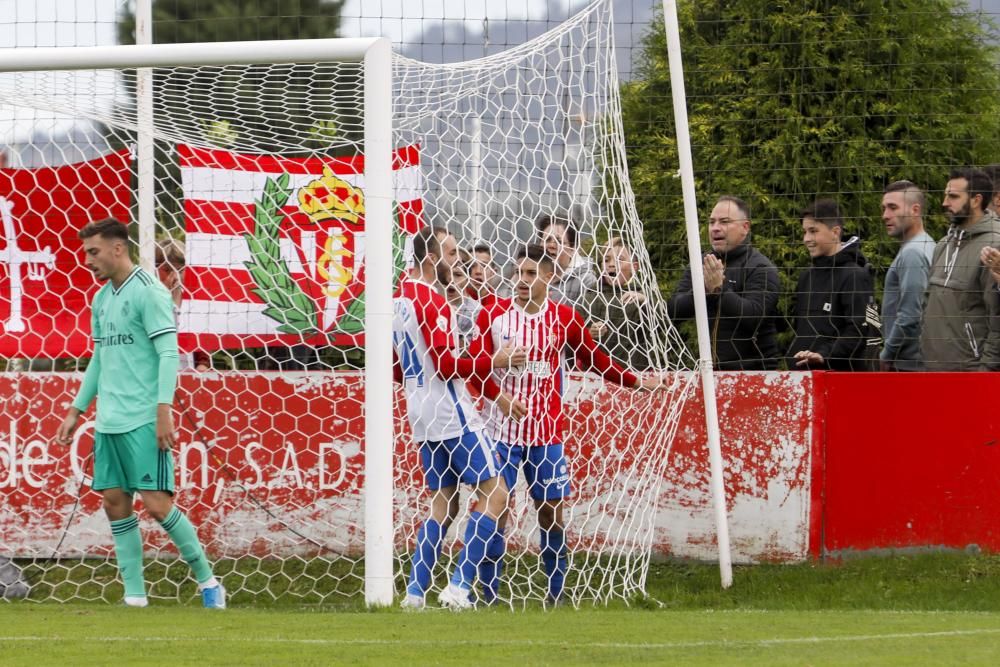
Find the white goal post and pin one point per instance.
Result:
(275, 188)
(376, 55)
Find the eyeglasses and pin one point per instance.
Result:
(724, 221)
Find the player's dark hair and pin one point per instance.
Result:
(977, 183)
(425, 242)
(536, 253)
(109, 228)
(482, 246)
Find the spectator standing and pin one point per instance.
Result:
(831, 297)
(903, 204)
(961, 323)
(741, 289)
(575, 278)
(618, 312)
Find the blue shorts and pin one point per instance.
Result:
(470, 458)
(545, 469)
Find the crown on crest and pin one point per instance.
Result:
(330, 197)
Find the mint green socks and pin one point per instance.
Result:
(182, 534)
(128, 551)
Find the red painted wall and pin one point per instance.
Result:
(911, 460)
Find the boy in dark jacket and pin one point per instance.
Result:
(831, 297)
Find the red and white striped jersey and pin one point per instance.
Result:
(424, 337)
(539, 383)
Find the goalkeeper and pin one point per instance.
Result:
(134, 374)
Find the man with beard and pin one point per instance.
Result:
(741, 289)
(961, 323)
(903, 204)
(444, 420)
(832, 296)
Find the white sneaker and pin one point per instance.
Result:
(136, 601)
(412, 603)
(455, 598)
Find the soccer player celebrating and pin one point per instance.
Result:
(535, 442)
(134, 374)
(444, 420)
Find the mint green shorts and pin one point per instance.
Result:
(132, 462)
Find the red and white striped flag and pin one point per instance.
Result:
(276, 246)
(45, 288)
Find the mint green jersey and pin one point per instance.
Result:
(125, 322)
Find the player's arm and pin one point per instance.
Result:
(158, 321)
(591, 356)
(84, 397)
(91, 380)
(477, 367)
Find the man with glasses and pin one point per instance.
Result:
(741, 288)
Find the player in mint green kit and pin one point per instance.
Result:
(133, 373)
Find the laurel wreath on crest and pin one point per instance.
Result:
(286, 302)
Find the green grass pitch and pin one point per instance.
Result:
(903, 610)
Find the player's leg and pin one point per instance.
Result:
(474, 459)
(111, 480)
(443, 484)
(547, 472)
(491, 567)
(154, 469)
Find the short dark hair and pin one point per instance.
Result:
(993, 171)
(483, 246)
(536, 253)
(109, 228)
(977, 183)
(425, 242)
(907, 187)
(743, 207)
(825, 211)
(546, 221)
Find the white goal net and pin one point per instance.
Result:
(259, 204)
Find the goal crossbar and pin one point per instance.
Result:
(376, 54)
(186, 55)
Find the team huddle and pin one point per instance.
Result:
(516, 362)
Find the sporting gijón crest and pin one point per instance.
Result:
(325, 241)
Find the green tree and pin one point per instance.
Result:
(794, 99)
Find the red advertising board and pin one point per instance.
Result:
(272, 464)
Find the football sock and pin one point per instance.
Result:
(425, 557)
(553, 544)
(478, 533)
(128, 552)
(491, 567)
(182, 534)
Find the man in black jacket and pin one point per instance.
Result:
(831, 297)
(741, 287)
